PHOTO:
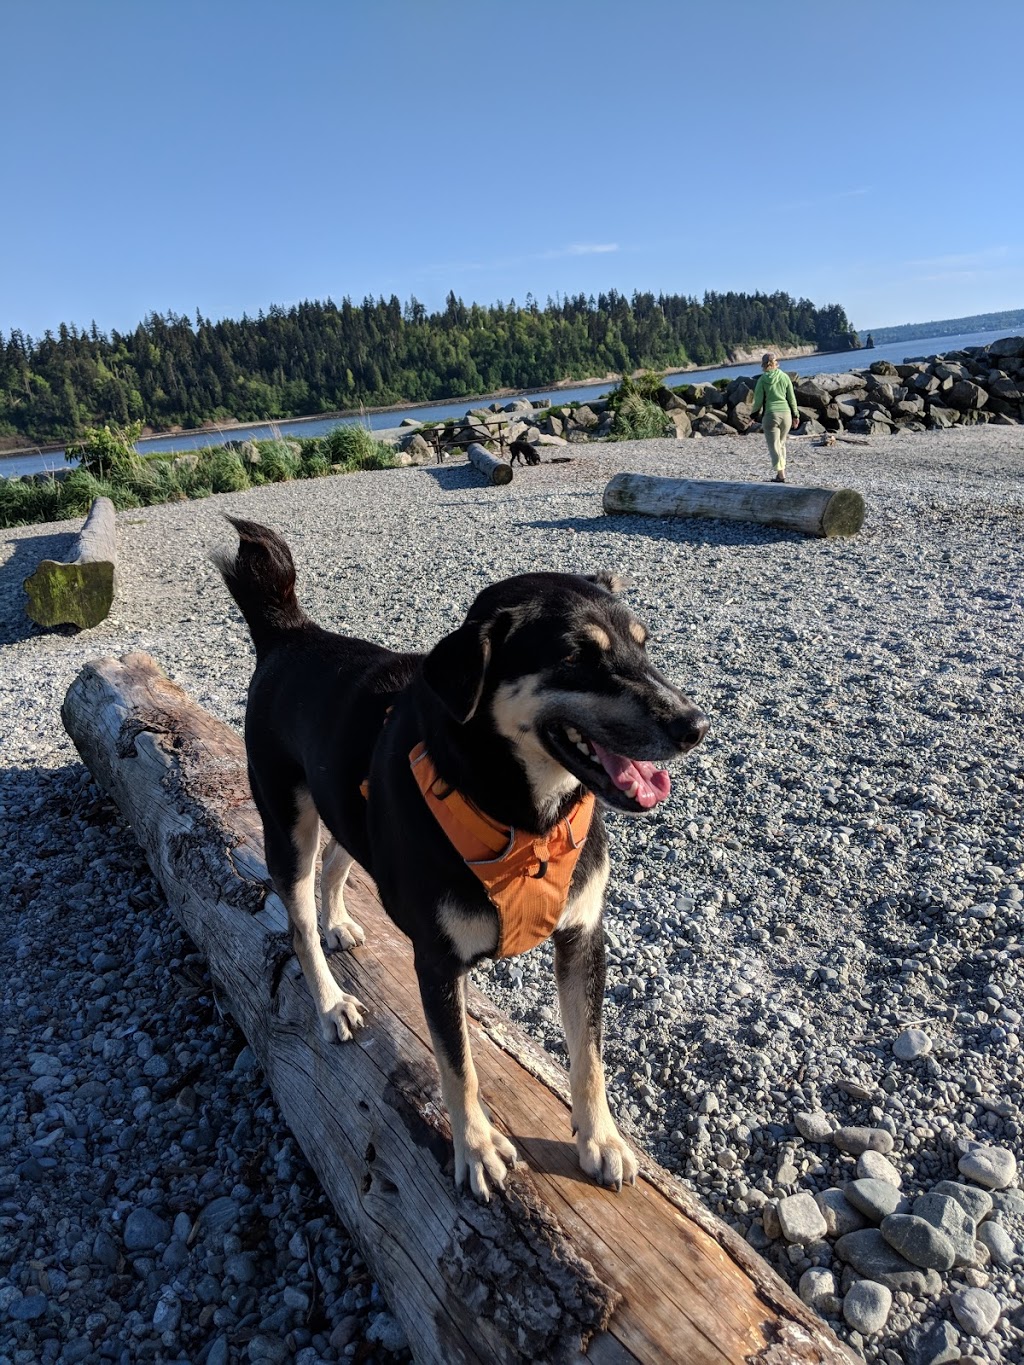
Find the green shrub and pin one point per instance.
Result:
(316, 466)
(355, 448)
(107, 449)
(224, 471)
(19, 503)
(638, 419)
(278, 462)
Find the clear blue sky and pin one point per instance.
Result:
(230, 154)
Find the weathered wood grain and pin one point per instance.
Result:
(495, 470)
(554, 1267)
(814, 511)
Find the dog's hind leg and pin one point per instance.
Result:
(337, 926)
(291, 850)
(481, 1151)
(580, 972)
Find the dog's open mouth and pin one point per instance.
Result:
(629, 783)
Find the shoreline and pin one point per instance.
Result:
(149, 434)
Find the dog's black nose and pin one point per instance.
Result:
(688, 728)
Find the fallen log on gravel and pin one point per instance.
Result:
(554, 1267)
(80, 591)
(814, 511)
(494, 469)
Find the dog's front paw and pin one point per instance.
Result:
(482, 1154)
(605, 1156)
(338, 1020)
(343, 934)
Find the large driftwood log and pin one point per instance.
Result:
(80, 591)
(494, 469)
(554, 1267)
(814, 511)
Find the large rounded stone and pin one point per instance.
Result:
(918, 1241)
(993, 1167)
(839, 1214)
(800, 1218)
(912, 1043)
(949, 1216)
(976, 1310)
(866, 1307)
(856, 1140)
(817, 1288)
(872, 1256)
(874, 1166)
(144, 1230)
(875, 1199)
(977, 1203)
(931, 1343)
(1000, 1244)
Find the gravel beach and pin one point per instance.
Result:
(816, 947)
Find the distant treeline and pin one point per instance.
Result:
(322, 357)
(948, 327)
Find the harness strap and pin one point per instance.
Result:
(526, 877)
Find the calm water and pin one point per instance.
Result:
(896, 351)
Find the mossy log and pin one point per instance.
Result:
(555, 1269)
(80, 591)
(495, 470)
(813, 511)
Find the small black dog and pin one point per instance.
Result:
(521, 449)
(462, 781)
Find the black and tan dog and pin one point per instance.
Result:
(464, 782)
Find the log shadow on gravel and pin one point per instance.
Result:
(24, 560)
(451, 477)
(682, 531)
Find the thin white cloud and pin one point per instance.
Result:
(587, 249)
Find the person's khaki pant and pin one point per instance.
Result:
(776, 427)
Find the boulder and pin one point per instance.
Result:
(410, 422)
(925, 383)
(519, 405)
(710, 425)
(668, 400)
(554, 426)
(585, 417)
(811, 394)
(1007, 346)
(911, 368)
(940, 418)
(839, 383)
(946, 369)
(883, 367)
(680, 419)
(1006, 389)
(966, 395)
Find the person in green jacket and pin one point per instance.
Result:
(774, 393)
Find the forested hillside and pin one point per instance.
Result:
(322, 357)
(1009, 320)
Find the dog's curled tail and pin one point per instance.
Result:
(260, 576)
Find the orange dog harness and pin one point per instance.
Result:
(526, 876)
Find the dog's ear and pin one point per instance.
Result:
(455, 669)
(611, 582)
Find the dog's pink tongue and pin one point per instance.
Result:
(652, 784)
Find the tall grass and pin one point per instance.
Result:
(140, 482)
